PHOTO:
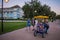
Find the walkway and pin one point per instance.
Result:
(22, 34)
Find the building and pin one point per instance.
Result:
(14, 12)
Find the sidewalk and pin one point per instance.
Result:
(22, 34)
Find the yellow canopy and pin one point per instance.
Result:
(41, 17)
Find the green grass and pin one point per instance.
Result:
(11, 26)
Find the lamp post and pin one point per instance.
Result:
(36, 12)
(6, 1)
(2, 13)
(2, 17)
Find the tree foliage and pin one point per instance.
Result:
(34, 8)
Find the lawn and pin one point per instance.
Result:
(11, 26)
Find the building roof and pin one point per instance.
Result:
(16, 6)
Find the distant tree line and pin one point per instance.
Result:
(58, 17)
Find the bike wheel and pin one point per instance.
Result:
(35, 33)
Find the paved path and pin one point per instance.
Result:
(22, 34)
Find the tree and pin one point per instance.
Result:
(30, 8)
(58, 17)
(26, 9)
(34, 8)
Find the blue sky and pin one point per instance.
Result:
(54, 4)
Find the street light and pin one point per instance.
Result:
(2, 13)
(6, 1)
(35, 11)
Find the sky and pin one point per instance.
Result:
(54, 4)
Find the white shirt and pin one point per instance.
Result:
(36, 21)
